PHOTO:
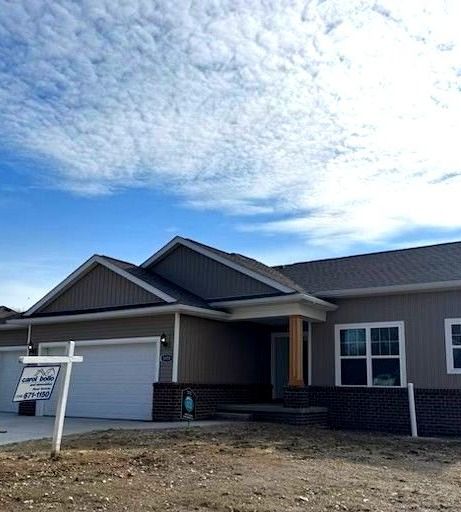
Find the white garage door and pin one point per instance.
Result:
(114, 381)
(10, 370)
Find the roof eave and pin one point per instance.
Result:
(122, 313)
(279, 299)
(390, 290)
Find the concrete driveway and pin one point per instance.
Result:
(26, 428)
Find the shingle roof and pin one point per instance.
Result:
(7, 313)
(254, 265)
(180, 294)
(428, 264)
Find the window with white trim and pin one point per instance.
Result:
(453, 344)
(371, 354)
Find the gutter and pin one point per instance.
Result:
(295, 297)
(127, 313)
(392, 289)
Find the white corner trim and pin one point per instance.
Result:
(216, 257)
(451, 370)
(367, 326)
(86, 267)
(176, 338)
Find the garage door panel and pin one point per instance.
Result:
(10, 370)
(114, 381)
(114, 372)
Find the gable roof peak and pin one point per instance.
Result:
(243, 264)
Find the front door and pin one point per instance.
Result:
(280, 363)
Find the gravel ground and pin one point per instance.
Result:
(236, 468)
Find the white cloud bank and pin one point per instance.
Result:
(333, 118)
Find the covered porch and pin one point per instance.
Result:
(290, 341)
(288, 322)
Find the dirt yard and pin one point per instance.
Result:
(243, 467)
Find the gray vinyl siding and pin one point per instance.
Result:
(107, 329)
(218, 352)
(13, 337)
(100, 288)
(207, 278)
(423, 315)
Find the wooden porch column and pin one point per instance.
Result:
(295, 372)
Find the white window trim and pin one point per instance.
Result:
(367, 326)
(449, 345)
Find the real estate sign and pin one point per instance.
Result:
(36, 383)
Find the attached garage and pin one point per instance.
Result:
(114, 381)
(10, 370)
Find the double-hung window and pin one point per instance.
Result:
(453, 344)
(371, 354)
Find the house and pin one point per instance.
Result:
(341, 336)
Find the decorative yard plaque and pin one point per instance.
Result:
(188, 405)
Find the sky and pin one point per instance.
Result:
(285, 130)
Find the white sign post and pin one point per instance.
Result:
(66, 361)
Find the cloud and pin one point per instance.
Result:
(327, 119)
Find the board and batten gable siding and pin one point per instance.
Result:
(110, 329)
(100, 288)
(212, 352)
(13, 337)
(423, 315)
(206, 277)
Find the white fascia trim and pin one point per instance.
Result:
(295, 297)
(224, 261)
(124, 313)
(383, 290)
(85, 268)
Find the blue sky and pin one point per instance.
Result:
(287, 130)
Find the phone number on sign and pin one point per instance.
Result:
(36, 395)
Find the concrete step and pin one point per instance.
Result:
(275, 413)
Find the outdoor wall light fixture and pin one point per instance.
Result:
(163, 340)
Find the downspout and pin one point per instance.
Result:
(29, 339)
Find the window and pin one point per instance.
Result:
(453, 344)
(372, 354)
